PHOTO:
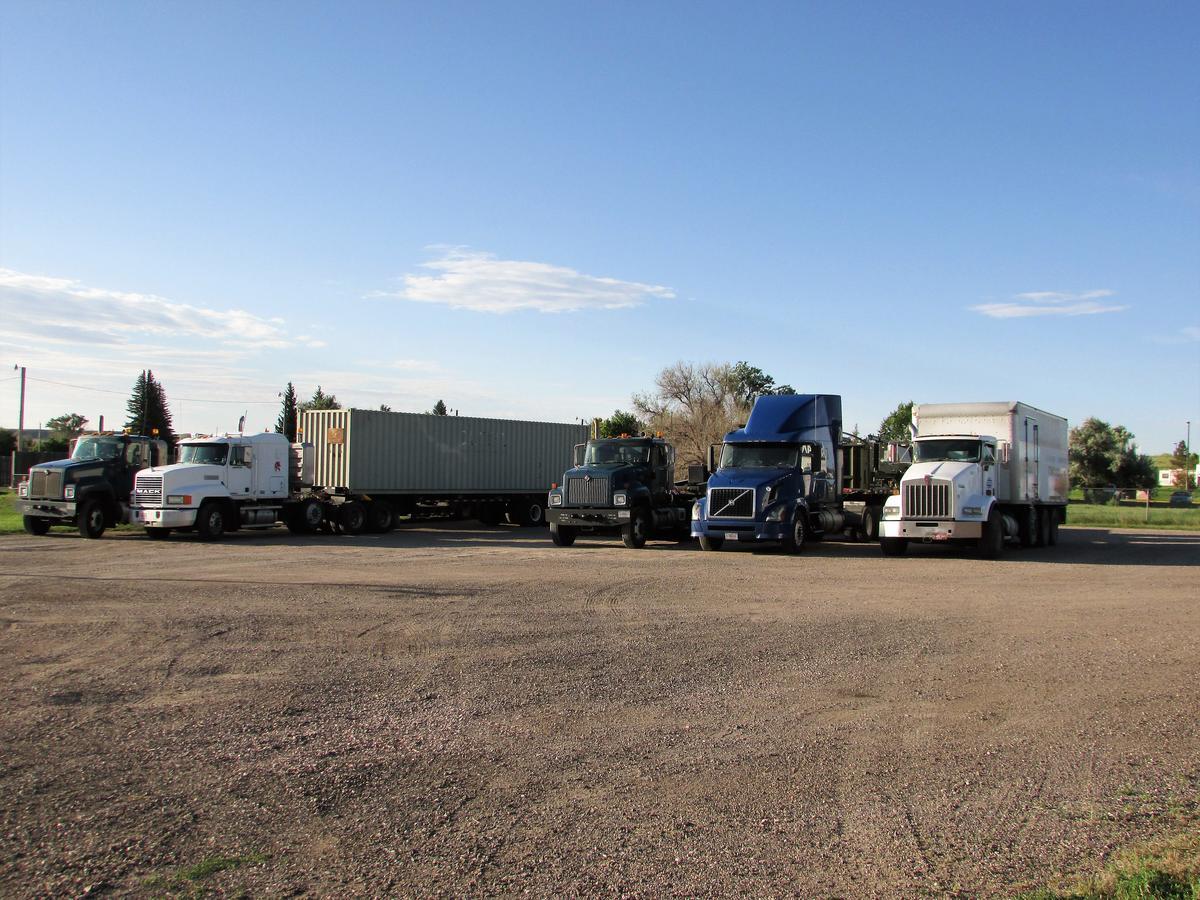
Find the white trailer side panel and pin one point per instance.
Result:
(369, 451)
(1035, 470)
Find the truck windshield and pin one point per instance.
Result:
(616, 453)
(207, 454)
(946, 450)
(98, 448)
(764, 456)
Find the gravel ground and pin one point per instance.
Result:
(461, 710)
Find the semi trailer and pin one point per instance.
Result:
(982, 474)
(355, 470)
(789, 475)
(91, 490)
(623, 486)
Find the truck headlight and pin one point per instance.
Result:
(891, 512)
(179, 499)
(695, 510)
(556, 499)
(620, 498)
(23, 489)
(972, 511)
(776, 514)
(69, 492)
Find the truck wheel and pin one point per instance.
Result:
(210, 522)
(34, 525)
(869, 529)
(381, 518)
(91, 519)
(793, 540)
(310, 515)
(158, 534)
(490, 514)
(893, 546)
(992, 543)
(1028, 526)
(527, 513)
(711, 543)
(1052, 532)
(562, 535)
(635, 533)
(353, 517)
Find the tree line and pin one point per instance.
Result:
(694, 405)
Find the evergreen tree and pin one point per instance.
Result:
(286, 425)
(148, 409)
(439, 408)
(619, 423)
(1183, 462)
(320, 400)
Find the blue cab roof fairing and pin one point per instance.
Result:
(791, 418)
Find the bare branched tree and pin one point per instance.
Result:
(694, 406)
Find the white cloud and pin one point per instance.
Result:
(1189, 334)
(1050, 303)
(465, 279)
(48, 309)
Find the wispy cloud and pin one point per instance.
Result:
(45, 308)
(466, 279)
(1189, 334)
(1051, 303)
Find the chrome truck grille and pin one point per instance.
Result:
(928, 500)
(45, 485)
(587, 492)
(731, 503)
(147, 490)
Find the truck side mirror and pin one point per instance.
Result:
(577, 455)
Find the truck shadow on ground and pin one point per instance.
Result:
(1076, 546)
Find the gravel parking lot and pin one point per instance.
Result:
(455, 710)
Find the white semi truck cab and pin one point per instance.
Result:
(982, 473)
(227, 482)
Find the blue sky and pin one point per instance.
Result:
(529, 209)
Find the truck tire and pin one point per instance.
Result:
(1052, 534)
(34, 525)
(562, 535)
(793, 540)
(91, 519)
(893, 546)
(869, 529)
(527, 512)
(711, 542)
(991, 545)
(158, 534)
(309, 515)
(1043, 532)
(381, 518)
(353, 517)
(1027, 526)
(635, 533)
(210, 522)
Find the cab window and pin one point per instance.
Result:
(134, 455)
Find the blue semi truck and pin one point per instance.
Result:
(790, 476)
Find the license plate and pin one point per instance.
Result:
(941, 536)
(731, 535)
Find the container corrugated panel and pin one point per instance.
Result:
(369, 451)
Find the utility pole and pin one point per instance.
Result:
(1187, 458)
(20, 427)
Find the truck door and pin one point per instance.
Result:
(137, 457)
(241, 458)
(1032, 458)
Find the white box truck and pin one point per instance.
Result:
(982, 473)
(357, 470)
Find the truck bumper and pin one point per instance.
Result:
(931, 531)
(740, 531)
(60, 510)
(587, 518)
(151, 517)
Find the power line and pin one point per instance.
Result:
(81, 387)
